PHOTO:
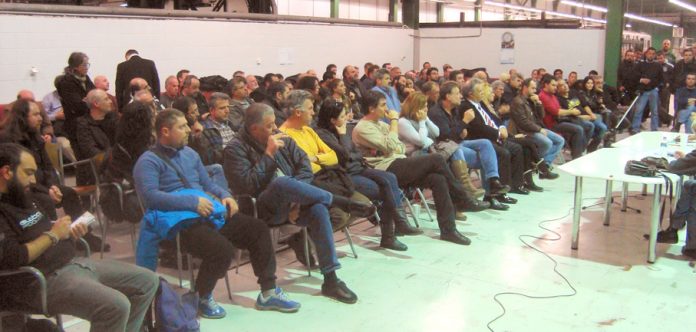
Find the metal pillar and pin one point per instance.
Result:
(613, 39)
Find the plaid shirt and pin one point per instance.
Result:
(226, 133)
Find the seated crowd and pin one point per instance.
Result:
(311, 152)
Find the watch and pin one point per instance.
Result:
(54, 238)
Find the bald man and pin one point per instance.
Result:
(102, 83)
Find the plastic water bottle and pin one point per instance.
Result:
(663, 146)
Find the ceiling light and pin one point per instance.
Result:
(649, 20)
(683, 5)
(589, 19)
(582, 5)
(505, 5)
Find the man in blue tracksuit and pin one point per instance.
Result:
(171, 180)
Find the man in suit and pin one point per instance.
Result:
(487, 125)
(133, 67)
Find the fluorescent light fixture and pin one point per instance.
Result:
(505, 5)
(582, 5)
(649, 20)
(683, 5)
(589, 19)
(628, 25)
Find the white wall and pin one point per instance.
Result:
(569, 50)
(202, 46)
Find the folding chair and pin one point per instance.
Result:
(43, 291)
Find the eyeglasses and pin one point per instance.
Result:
(86, 65)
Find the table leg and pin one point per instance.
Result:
(576, 212)
(607, 203)
(624, 197)
(654, 222)
(645, 190)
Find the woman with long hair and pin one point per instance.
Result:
(591, 112)
(24, 128)
(373, 183)
(340, 94)
(419, 134)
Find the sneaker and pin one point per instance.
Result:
(279, 301)
(339, 292)
(208, 308)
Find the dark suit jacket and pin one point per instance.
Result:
(135, 67)
(477, 127)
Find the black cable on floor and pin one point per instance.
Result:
(555, 267)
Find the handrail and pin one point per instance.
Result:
(119, 12)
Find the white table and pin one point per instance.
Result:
(608, 164)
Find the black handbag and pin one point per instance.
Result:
(658, 162)
(640, 168)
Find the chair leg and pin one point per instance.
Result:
(411, 211)
(227, 283)
(425, 204)
(350, 241)
(193, 278)
(306, 250)
(179, 263)
(134, 237)
(59, 321)
(237, 259)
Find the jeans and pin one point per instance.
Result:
(217, 174)
(274, 205)
(684, 116)
(685, 213)
(549, 145)
(382, 186)
(431, 171)
(576, 137)
(111, 295)
(652, 97)
(215, 248)
(479, 153)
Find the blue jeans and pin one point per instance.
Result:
(599, 127)
(479, 153)
(685, 213)
(684, 116)
(274, 205)
(549, 145)
(217, 174)
(382, 186)
(652, 96)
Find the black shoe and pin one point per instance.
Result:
(506, 199)
(296, 243)
(665, 236)
(495, 187)
(691, 253)
(548, 175)
(474, 205)
(392, 243)
(533, 187)
(521, 190)
(495, 204)
(403, 227)
(455, 237)
(339, 292)
(95, 243)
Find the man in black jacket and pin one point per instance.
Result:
(112, 295)
(627, 78)
(350, 79)
(133, 67)
(72, 89)
(96, 131)
(275, 95)
(264, 163)
(649, 83)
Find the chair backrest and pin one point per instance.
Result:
(55, 155)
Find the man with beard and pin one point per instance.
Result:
(111, 295)
(23, 129)
(192, 88)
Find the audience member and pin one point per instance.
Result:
(379, 144)
(686, 102)
(133, 67)
(268, 165)
(72, 89)
(628, 77)
(96, 132)
(276, 94)
(171, 91)
(649, 83)
(218, 118)
(382, 80)
(111, 295)
(192, 88)
(172, 181)
(102, 83)
(557, 118)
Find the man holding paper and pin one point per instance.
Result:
(111, 295)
